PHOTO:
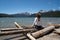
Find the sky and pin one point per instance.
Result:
(31, 6)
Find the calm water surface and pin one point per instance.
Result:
(9, 22)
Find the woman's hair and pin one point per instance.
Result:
(38, 15)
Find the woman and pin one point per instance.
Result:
(37, 23)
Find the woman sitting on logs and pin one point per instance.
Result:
(37, 23)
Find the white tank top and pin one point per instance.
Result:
(36, 22)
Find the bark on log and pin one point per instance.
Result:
(17, 31)
(42, 32)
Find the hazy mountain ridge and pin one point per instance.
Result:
(26, 14)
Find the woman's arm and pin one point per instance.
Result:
(34, 22)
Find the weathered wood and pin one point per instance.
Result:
(56, 25)
(57, 31)
(9, 29)
(17, 25)
(19, 38)
(30, 36)
(17, 31)
(42, 32)
(28, 28)
(51, 36)
(12, 29)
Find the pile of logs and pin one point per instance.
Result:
(44, 31)
(33, 35)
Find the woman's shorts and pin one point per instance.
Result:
(38, 27)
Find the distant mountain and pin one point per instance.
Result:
(25, 14)
(3, 15)
(50, 13)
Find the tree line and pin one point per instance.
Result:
(50, 13)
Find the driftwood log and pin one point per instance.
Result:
(9, 29)
(56, 25)
(32, 36)
(17, 25)
(40, 32)
(17, 31)
(57, 31)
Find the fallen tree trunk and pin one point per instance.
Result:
(57, 31)
(17, 31)
(9, 29)
(41, 32)
(17, 25)
(12, 29)
(56, 25)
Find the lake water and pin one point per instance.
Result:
(26, 21)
